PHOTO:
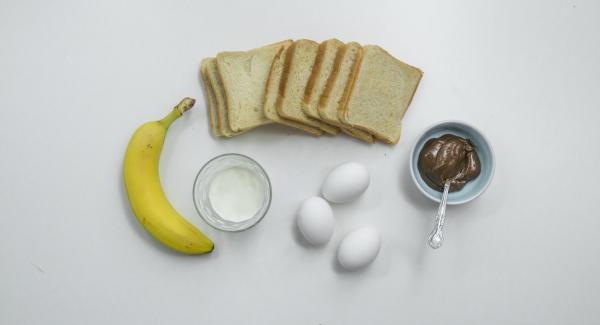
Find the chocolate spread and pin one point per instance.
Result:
(448, 157)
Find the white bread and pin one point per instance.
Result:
(244, 76)
(331, 98)
(379, 94)
(217, 87)
(211, 101)
(272, 93)
(321, 71)
(297, 69)
(359, 134)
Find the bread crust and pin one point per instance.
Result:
(296, 113)
(209, 95)
(272, 94)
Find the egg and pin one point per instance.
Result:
(359, 248)
(346, 182)
(315, 221)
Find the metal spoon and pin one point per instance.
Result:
(436, 237)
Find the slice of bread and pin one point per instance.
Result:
(332, 96)
(297, 69)
(359, 134)
(272, 93)
(211, 101)
(379, 94)
(320, 74)
(217, 87)
(244, 76)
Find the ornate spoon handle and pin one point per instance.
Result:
(436, 237)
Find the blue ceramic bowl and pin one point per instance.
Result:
(475, 187)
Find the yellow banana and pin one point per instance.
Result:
(146, 197)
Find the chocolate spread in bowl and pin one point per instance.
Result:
(448, 157)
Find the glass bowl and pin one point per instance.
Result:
(217, 203)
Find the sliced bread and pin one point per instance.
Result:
(296, 73)
(320, 74)
(244, 76)
(359, 134)
(217, 87)
(331, 99)
(272, 93)
(379, 93)
(211, 101)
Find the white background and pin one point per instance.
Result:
(77, 78)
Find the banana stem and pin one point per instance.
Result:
(184, 105)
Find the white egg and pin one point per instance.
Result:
(359, 248)
(315, 220)
(346, 182)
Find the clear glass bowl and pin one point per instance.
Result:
(202, 186)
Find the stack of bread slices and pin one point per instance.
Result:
(330, 87)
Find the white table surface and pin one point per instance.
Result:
(77, 77)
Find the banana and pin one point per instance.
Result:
(146, 197)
